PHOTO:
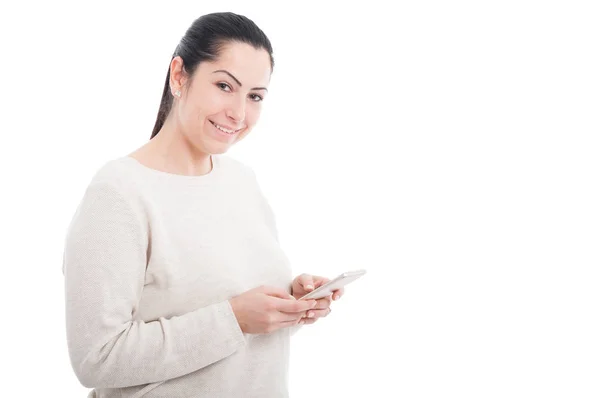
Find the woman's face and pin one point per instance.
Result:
(225, 94)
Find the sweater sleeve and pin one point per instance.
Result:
(104, 265)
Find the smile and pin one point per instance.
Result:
(223, 129)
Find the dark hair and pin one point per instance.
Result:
(203, 41)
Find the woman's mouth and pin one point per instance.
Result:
(224, 130)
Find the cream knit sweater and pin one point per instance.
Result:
(150, 261)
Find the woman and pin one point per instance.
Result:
(176, 285)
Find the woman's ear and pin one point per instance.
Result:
(178, 75)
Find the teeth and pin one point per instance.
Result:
(223, 129)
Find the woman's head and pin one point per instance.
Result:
(218, 75)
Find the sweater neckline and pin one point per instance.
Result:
(211, 175)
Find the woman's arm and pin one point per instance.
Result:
(104, 267)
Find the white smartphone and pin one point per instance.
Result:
(326, 289)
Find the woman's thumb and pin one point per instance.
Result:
(277, 292)
(306, 281)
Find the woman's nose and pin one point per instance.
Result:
(237, 111)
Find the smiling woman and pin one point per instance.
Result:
(176, 285)
(213, 94)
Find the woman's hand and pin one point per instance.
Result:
(304, 284)
(266, 309)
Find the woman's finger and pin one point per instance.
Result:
(291, 323)
(320, 280)
(323, 303)
(284, 317)
(315, 314)
(338, 293)
(306, 282)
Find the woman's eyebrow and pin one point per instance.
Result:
(237, 81)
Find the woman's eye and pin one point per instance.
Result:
(222, 85)
(227, 88)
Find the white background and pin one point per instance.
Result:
(449, 148)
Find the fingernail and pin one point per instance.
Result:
(314, 304)
(336, 297)
(311, 314)
(309, 287)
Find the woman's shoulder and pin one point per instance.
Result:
(114, 176)
(115, 172)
